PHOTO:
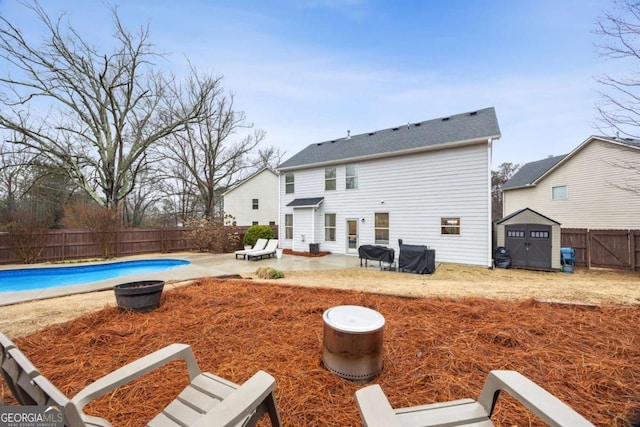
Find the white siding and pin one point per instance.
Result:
(264, 187)
(593, 201)
(416, 191)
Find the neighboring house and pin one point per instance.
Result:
(426, 183)
(254, 200)
(582, 189)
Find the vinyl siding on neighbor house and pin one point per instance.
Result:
(593, 199)
(239, 200)
(416, 190)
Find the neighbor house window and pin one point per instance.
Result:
(352, 177)
(272, 223)
(381, 228)
(289, 183)
(559, 193)
(254, 203)
(329, 179)
(449, 225)
(288, 226)
(254, 223)
(330, 227)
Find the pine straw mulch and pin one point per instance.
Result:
(435, 349)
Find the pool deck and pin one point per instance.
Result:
(201, 265)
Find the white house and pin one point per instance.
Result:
(427, 183)
(254, 200)
(595, 186)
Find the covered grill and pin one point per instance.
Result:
(376, 253)
(416, 259)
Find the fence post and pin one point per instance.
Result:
(632, 248)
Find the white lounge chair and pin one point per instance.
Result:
(260, 245)
(268, 251)
(208, 400)
(376, 411)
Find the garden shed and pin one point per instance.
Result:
(533, 239)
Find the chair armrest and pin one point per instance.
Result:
(135, 370)
(242, 403)
(375, 409)
(549, 408)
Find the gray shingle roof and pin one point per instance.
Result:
(626, 141)
(530, 172)
(476, 125)
(306, 202)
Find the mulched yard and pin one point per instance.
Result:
(435, 349)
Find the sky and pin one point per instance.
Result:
(306, 71)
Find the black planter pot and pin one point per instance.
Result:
(143, 296)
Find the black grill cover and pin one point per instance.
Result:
(377, 253)
(417, 259)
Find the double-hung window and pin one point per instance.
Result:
(330, 227)
(289, 183)
(351, 182)
(381, 228)
(329, 179)
(254, 204)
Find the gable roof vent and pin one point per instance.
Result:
(445, 119)
(473, 113)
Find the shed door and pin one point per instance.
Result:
(529, 245)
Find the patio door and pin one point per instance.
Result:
(352, 236)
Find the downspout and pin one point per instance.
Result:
(313, 226)
(490, 210)
(280, 219)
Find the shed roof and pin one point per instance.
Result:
(471, 127)
(520, 211)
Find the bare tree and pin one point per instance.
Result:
(269, 157)
(619, 106)
(498, 178)
(91, 113)
(210, 154)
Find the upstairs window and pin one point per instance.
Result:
(351, 177)
(254, 204)
(559, 193)
(329, 179)
(289, 183)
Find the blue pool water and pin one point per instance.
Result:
(39, 278)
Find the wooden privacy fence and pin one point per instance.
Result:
(60, 245)
(616, 249)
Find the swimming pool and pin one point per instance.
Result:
(24, 279)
